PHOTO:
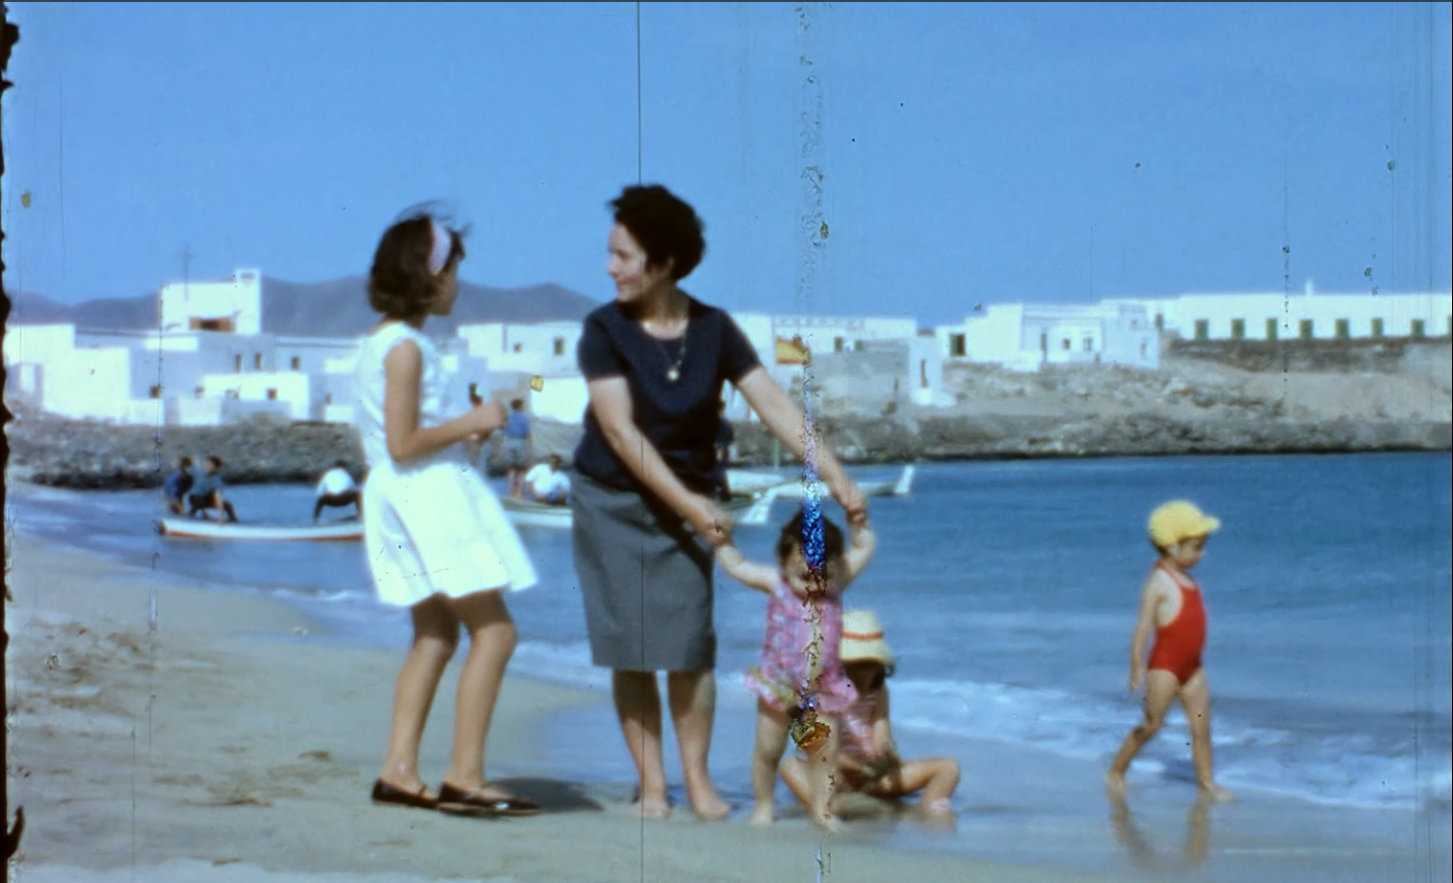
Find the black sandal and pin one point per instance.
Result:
(384, 793)
(457, 801)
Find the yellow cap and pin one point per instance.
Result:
(1180, 520)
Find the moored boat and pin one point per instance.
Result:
(348, 530)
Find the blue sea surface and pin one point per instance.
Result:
(1008, 592)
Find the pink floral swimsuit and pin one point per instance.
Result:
(785, 655)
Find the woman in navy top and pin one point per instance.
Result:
(646, 519)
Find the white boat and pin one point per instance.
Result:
(751, 512)
(743, 481)
(350, 530)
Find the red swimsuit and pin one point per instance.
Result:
(1178, 644)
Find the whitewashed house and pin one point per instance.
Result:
(1306, 315)
(543, 349)
(1023, 337)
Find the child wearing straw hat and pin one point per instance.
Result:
(1171, 605)
(868, 761)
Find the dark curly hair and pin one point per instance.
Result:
(791, 539)
(400, 285)
(664, 225)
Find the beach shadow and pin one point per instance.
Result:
(1140, 849)
(553, 795)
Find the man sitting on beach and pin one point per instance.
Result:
(176, 486)
(206, 492)
(337, 489)
(545, 483)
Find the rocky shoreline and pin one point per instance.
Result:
(77, 454)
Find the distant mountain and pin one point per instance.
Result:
(322, 309)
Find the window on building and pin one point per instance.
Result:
(516, 348)
(156, 392)
(1203, 329)
(196, 324)
(1271, 328)
(272, 395)
(237, 362)
(1377, 328)
(1306, 329)
(1144, 349)
(199, 391)
(1159, 322)
(1065, 344)
(474, 392)
(257, 361)
(328, 399)
(1343, 329)
(1043, 343)
(837, 344)
(297, 363)
(1088, 344)
(923, 374)
(1418, 328)
(559, 346)
(957, 346)
(1238, 329)
(859, 346)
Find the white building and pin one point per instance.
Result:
(233, 306)
(1023, 337)
(543, 349)
(1305, 315)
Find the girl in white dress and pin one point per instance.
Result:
(437, 539)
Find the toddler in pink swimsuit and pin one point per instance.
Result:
(800, 648)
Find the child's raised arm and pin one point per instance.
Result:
(862, 543)
(748, 573)
(1150, 597)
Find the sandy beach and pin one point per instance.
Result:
(218, 746)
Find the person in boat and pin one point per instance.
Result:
(175, 488)
(644, 512)
(725, 435)
(547, 483)
(206, 493)
(336, 489)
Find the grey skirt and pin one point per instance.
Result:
(646, 580)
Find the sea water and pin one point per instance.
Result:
(1008, 592)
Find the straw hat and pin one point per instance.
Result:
(863, 639)
(1180, 520)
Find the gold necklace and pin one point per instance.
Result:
(673, 371)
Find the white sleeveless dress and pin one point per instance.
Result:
(431, 526)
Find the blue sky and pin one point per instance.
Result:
(972, 153)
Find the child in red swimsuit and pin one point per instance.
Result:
(1170, 603)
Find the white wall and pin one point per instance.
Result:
(1229, 316)
(541, 348)
(237, 300)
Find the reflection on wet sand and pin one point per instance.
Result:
(1142, 853)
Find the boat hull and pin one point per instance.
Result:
(199, 529)
(745, 482)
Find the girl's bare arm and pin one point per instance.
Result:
(1150, 597)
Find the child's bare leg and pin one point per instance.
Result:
(936, 777)
(1160, 688)
(822, 775)
(436, 635)
(492, 639)
(772, 727)
(1196, 700)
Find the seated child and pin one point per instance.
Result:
(868, 761)
(798, 651)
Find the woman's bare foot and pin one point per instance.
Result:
(827, 822)
(1216, 793)
(651, 807)
(761, 817)
(710, 807)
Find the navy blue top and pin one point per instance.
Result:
(680, 418)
